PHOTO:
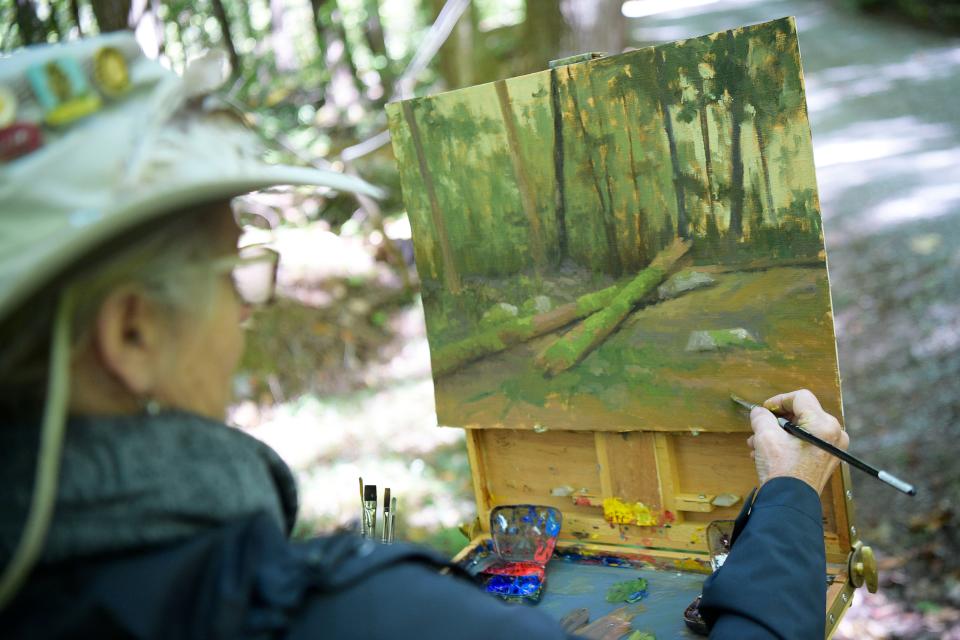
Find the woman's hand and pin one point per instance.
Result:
(777, 453)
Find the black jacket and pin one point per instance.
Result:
(238, 576)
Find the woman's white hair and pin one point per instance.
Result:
(152, 258)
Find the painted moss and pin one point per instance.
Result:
(569, 349)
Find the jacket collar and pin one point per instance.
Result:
(133, 482)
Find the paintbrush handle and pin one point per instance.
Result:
(849, 458)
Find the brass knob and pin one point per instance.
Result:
(863, 567)
(472, 530)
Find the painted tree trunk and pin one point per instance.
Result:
(610, 215)
(576, 344)
(707, 154)
(664, 99)
(736, 176)
(612, 257)
(527, 198)
(639, 255)
(560, 196)
(736, 112)
(768, 188)
(451, 276)
(456, 354)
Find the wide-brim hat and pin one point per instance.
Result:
(96, 140)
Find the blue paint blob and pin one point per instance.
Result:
(514, 586)
(636, 596)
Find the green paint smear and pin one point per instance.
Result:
(621, 591)
(641, 635)
(725, 338)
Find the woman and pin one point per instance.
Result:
(121, 301)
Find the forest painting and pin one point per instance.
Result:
(620, 243)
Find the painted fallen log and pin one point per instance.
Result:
(572, 347)
(502, 336)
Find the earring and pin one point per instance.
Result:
(151, 407)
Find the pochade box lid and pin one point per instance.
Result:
(608, 249)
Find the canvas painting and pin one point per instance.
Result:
(620, 243)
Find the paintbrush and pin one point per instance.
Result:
(393, 518)
(850, 459)
(363, 530)
(385, 537)
(370, 511)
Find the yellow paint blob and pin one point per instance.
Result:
(689, 564)
(619, 512)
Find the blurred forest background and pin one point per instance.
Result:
(337, 376)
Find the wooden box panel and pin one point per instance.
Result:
(674, 475)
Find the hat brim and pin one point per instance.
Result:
(51, 258)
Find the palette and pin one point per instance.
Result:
(608, 249)
(660, 612)
(523, 539)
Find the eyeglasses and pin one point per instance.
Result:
(253, 272)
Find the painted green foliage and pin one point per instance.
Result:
(565, 185)
(696, 138)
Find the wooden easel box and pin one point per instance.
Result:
(676, 470)
(669, 470)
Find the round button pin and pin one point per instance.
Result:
(110, 71)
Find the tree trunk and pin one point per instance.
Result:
(612, 258)
(456, 59)
(705, 134)
(736, 178)
(639, 246)
(662, 94)
(736, 157)
(610, 215)
(576, 344)
(523, 180)
(597, 25)
(376, 42)
(761, 143)
(29, 25)
(545, 32)
(321, 18)
(558, 163)
(75, 16)
(112, 15)
(451, 276)
(220, 13)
